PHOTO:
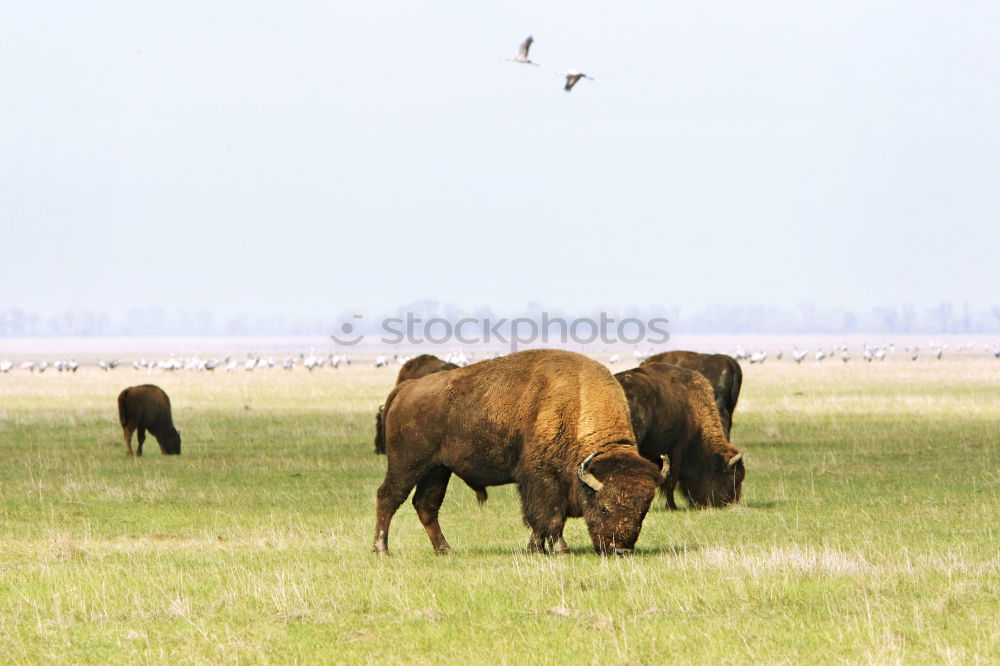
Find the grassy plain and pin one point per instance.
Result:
(868, 533)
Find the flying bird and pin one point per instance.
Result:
(572, 76)
(522, 53)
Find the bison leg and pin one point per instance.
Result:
(671, 482)
(540, 500)
(142, 438)
(727, 422)
(427, 501)
(548, 539)
(557, 545)
(128, 439)
(393, 492)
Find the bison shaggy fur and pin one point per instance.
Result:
(147, 407)
(553, 422)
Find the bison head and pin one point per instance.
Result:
(720, 483)
(617, 489)
(171, 443)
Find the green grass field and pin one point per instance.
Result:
(868, 532)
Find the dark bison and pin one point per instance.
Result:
(421, 366)
(675, 420)
(722, 372)
(147, 407)
(555, 423)
(415, 368)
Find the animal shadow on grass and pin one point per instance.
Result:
(581, 550)
(761, 504)
(745, 504)
(675, 550)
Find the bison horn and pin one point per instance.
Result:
(665, 470)
(592, 481)
(735, 459)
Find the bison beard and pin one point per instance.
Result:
(555, 423)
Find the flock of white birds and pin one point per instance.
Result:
(572, 75)
(315, 361)
(842, 351)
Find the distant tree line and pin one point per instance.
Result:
(806, 318)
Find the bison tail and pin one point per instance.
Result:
(380, 431)
(481, 495)
(122, 413)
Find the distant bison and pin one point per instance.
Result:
(415, 368)
(421, 366)
(554, 422)
(144, 408)
(722, 372)
(675, 420)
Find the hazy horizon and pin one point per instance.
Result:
(321, 158)
(805, 318)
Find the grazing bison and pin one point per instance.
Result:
(144, 408)
(421, 366)
(415, 368)
(723, 373)
(675, 420)
(556, 423)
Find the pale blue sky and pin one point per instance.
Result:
(307, 158)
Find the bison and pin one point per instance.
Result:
(556, 423)
(722, 372)
(675, 419)
(421, 366)
(415, 368)
(147, 407)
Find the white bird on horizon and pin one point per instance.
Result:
(522, 53)
(572, 76)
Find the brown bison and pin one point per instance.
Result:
(415, 368)
(555, 423)
(675, 420)
(722, 372)
(147, 407)
(421, 366)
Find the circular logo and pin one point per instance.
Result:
(347, 334)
